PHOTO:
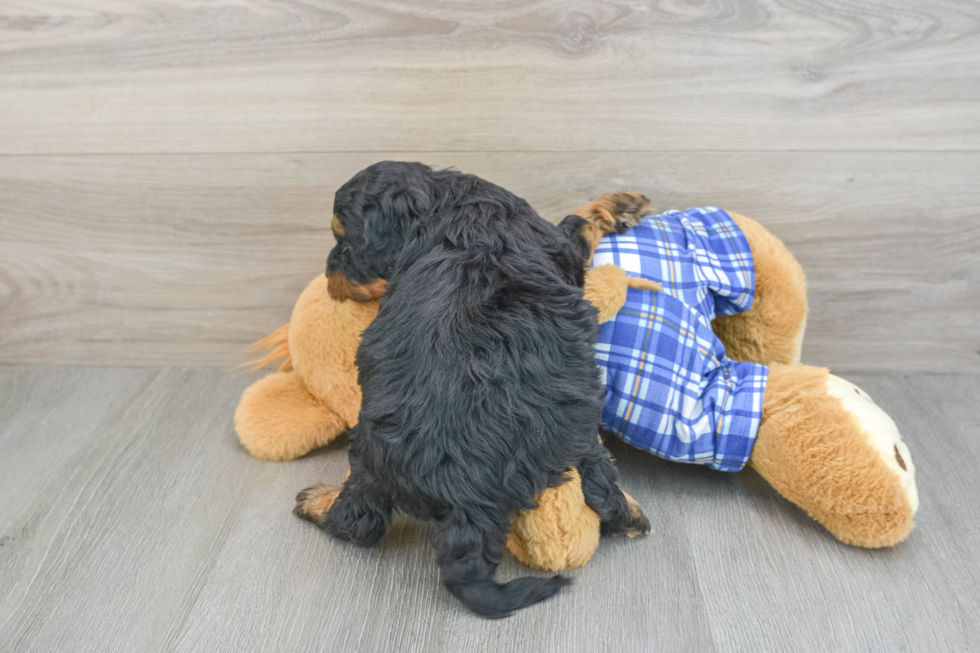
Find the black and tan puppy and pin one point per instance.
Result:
(479, 384)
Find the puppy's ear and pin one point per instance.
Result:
(401, 196)
(572, 226)
(574, 250)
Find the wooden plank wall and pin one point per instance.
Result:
(167, 168)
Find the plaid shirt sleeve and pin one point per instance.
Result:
(671, 391)
(700, 255)
(723, 258)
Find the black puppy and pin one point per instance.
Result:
(480, 388)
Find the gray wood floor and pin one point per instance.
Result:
(131, 520)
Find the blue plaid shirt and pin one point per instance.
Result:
(670, 389)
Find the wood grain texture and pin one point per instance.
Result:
(125, 76)
(132, 520)
(185, 259)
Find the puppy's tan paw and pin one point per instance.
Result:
(313, 503)
(616, 212)
(639, 524)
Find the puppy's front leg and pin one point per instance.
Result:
(358, 512)
(612, 212)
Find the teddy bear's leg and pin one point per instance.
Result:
(560, 533)
(278, 419)
(772, 329)
(827, 447)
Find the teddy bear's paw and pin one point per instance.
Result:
(278, 419)
(639, 524)
(616, 212)
(828, 448)
(881, 433)
(313, 503)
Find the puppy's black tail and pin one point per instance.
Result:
(495, 601)
(468, 549)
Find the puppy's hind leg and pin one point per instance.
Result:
(618, 512)
(468, 552)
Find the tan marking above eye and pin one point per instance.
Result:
(338, 228)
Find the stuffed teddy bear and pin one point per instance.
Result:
(703, 370)
(706, 370)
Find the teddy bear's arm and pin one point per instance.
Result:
(772, 329)
(606, 287)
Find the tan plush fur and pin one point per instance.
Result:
(606, 286)
(323, 340)
(561, 534)
(816, 454)
(315, 396)
(276, 346)
(643, 284)
(278, 418)
(772, 330)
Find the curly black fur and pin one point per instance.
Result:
(480, 389)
